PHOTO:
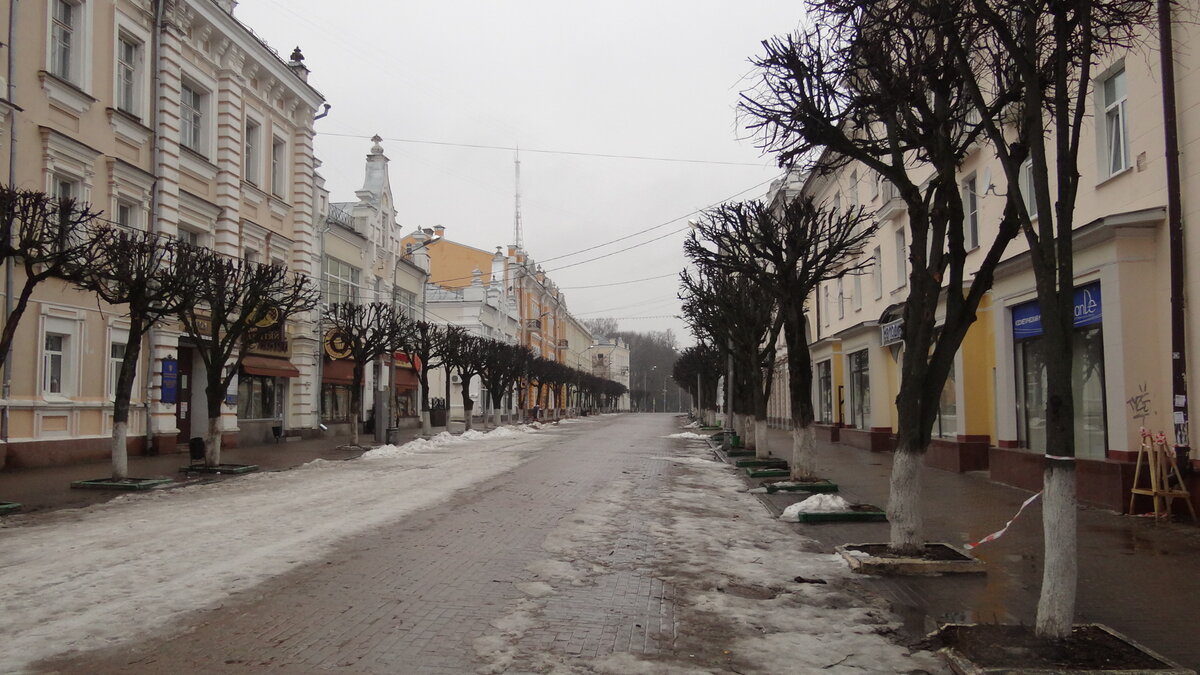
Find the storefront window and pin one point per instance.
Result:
(335, 403)
(860, 390)
(258, 397)
(825, 392)
(946, 425)
(1087, 377)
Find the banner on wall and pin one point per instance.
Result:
(1027, 316)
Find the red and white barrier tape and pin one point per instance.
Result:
(996, 535)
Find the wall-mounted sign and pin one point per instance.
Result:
(170, 380)
(271, 340)
(891, 332)
(1027, 317)
(336, 344)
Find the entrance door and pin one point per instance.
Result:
(183, 398)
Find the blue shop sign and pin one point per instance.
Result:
(170, 380)
(1027, 317)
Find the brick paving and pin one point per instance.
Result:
(468, 586)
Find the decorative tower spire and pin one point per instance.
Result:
(517, 234)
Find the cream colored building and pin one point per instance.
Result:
(991, 412)
(173, 117)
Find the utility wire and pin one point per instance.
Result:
(617, 283)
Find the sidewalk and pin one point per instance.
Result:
(1135, 575)
(50, 487)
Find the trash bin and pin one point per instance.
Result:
(393, 436)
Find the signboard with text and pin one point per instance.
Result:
(1027, 317)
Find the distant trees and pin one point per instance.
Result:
(367, 332)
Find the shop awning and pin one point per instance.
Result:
(340, 371)
(269, 366)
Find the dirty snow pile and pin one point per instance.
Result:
(689, 435)
(80, 579)
(814, 504)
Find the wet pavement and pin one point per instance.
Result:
(1135, 575)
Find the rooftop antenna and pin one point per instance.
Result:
(517, 197)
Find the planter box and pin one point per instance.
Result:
(9, 507)
(953, 561)
(222, 468)
(772, 462)
(738, 453)
(129, 484)
(865, 516)
(767, 472)
(823, 486)
(1101, 637)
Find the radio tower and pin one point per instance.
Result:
(517, 238)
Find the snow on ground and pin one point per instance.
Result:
(89, 578)
(818, 503)
(689, 435)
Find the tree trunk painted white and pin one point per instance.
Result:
(212, 451)
(1056, 605)
(467, 426)
(746, 427)
(120, 455)
(804, 453)
(762, 446)
(496, 419)
(426, 429)
(904, 508)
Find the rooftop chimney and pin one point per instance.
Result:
(296, 64)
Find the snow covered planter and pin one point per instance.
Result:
(9, 507)
(771, 462)
(120, 483)
(222, 468)
(1092, 649)
(937, 559)
(801, 486)
(830, 508)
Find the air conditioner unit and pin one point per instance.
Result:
(455, 379)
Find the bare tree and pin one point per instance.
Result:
(464, 353)
(236, 303)
(366, 331)
(1048, 51)
(601, 326)
(877, 84)
(429, 347)
(501, 366)
(50, 238)
(789, 253)
(153, 277)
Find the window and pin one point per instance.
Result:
(1028, 189)
(825, 392)
(128, 215)
(827, 309)
(189, 237)
(841, 298)
(258, 397)
(65, 187)
(128, 56)
(54, 354)
(860, 389)
(62, 39)
(407, 300)
(901, 260)
(335, 402)
(877, 273)
(252, 158)
(856, 296)
(946, 424)
(875, 187)
(116, 355)
(854, 189)
(278, 167)
(341, 281)
(1116, 136)
(191, 113)
(970, 198)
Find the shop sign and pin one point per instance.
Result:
(337, 345)
(170, 380)
(1027, 317)
(403, 360)
(891, 332)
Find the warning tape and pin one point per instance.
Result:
(996, 535)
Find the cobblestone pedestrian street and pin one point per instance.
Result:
(594, 555)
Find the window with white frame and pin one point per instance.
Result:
(875, 186)
(407, 300)
(877, 273)
(64, 47)
(278, 167)
(189, 237)
(128, 215)
(1028, 189)
(841, 298)
(970, 201)
(827, 309)
(856, 297)
(901, 260)
(854, 189)
(65, 187)
(253, 153)
(341, 281)
(54, 366)
(1116, 124)
(116, 356)
(192, 101)
(129, 56)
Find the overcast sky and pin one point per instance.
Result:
(651, 78)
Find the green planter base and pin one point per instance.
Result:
(823, 486)
(766, 473)
(843, 516)
(9, 507)
(129, 484)
(222, 468)
(772, 462)
(739, 453)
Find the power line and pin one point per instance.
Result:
(545, 151)
(617, 283)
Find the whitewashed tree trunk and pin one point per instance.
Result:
(1056, 605)
(762, 446)
(746, 423)
(904, 508)
(120, 454)
(212, 452)
(804, 453)
(426, 429)
(496, 419)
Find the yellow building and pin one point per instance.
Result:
(170, 117)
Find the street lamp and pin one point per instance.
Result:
(646, 386)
